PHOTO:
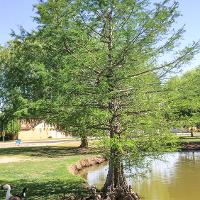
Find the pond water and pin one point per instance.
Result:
(176, 178)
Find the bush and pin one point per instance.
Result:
(12, 129)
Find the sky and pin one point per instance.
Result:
(14, 13)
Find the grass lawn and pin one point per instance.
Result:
(189, 139)
(44, 171)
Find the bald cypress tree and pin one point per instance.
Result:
(113, 73)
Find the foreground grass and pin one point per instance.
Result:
(45, 170)
(46, 175)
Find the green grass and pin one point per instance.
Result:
(46, 176)
(189, 139)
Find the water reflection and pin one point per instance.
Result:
(176, 178)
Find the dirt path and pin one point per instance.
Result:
(10, 159)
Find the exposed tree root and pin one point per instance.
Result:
(112, 194)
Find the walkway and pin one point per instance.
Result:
(37, 143)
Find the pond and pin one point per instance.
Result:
(176, 178)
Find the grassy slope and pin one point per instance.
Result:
(46, 175)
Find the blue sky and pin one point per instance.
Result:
(20, 12)
(14, 13)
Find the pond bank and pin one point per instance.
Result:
(87, 162)
(190, 146)
(97, 160)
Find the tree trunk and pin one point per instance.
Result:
(115, 175)
(192, 132)
(116, 186)
(3, 136)
(84, 142)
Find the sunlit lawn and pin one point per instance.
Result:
(46, 175)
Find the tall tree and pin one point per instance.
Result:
(112, 74)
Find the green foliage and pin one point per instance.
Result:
(136, 148)
(184, 96)
(12, 127)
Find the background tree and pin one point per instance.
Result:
(12, 129)
(9, 128)
(184, 106)
(32, 87)
(21, 80)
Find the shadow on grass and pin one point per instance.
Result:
(51, 190)
(49, 152)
